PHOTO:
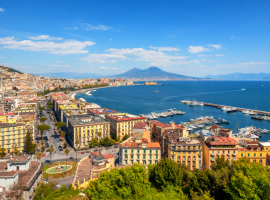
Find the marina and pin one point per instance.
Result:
(168, 112)
(263, 115)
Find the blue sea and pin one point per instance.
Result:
(140, 99)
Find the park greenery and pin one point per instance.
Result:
(106, 141)
(169, 180)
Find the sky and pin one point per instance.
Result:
(188, 37)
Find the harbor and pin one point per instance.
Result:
(255, 114)
(168, 112)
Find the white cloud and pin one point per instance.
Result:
(103, 68)
(40, 64)
(216, 46)
(165, 48)
(110, 39)
(2, 10)
(243, 65)
(197, 49)
(103, 58)
(155, 58)
(93, 28)
(64, 48)
(44, 37)
(211, 55)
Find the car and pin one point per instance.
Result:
(87, 151)
(83, 152)
(43, 155)
(47, 150)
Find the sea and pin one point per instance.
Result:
(142, 99)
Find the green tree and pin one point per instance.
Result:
(43, 128)
(76, 142)
(2, 152)
(65, 145)
(42, 148)
(59, 125)
(49, 103)
(39, 155)
(51, 149)
(63, 133)
(99, 135)
(66, 152)
(42, 119)
(249, 181)
(50, 107)
(41, 108)
(93, 143)
(106, 141)
(125, 137)
(44, 190)
(29, 145)
(166, 172)
(15, 149)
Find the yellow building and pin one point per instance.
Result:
(3, 118)
(256, 152)
(12, 134)
(185, 150)
(86, 127)
(122, 123)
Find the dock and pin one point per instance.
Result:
(258, 112)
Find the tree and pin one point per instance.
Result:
(42, 119)
(43, 128)
(42, 148)
(93, 143)
(125, 137)
(15, 149)
(65, 145)
(44, 190)
(66, 152)
(29, 145)
(2, 152)
(106, 141)
(50, 107)
(51, 149)
(49, 103)
(15, 88)
(63, 133)
(59, 125)
(99, 135)
(76, 142)
(166, 172)
(249, 181)
(39, 156)
(41, 108)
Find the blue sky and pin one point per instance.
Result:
(189, 37)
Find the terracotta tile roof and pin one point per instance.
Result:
(253, 142)
(107, 156)
(214, 140)
(130, 144)
(140, 125)
(243, 149)
(3, 166)
(8, 174)
(97, 153)
(153, 145)
(161, 125)
(23, 159)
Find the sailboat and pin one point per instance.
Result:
(156, 91)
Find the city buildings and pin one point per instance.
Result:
(101, 112)
(122, 123)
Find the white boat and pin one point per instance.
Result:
(246, 112)
(243, 89)
(194, 103)
(163, 115)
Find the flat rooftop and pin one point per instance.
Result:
(124, 117)
(85, 120)
(101, 111)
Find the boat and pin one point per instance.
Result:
(163, 115)
(243, 89)
(246, 112)
(252, 113)
(194, 103)
(256, 117)
(156, 90)
(230, 110)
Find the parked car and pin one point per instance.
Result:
(87, 151)
(83, 152)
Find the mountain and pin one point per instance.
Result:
(10, 69)
(71, 75)
(241, 77)
(151, 73)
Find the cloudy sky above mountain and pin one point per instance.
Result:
(192, 38)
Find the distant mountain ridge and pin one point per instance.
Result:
(241, 76)
(151, 73)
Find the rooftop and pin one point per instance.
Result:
(70, 106)
(214, 141)
(140, 125)
(124, 117)
(85, 119)
(101, 111)
(139, 145)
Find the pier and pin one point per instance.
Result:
(257, 112)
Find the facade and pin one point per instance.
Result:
(215, 147)
(86, 127)
(122, 123)
(185, 150)
(256, 152)
(144, 152)
(7, 106)
(12, 135)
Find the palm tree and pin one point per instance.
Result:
(39, 156)
(76, 142)
(66, 152)
(51, 149)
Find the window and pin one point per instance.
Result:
(150, 156)
(131, 156)
(194, 148)
(260, 161)
(156, 156)
(248, 154)
(132, 151)
(143, 156)
(156, 151)
(254, 154)
(241, 155)
(233, 151)
(228, 151)
(254, 160)
(193, 163)
(179, 157)
(156, 162)
(144, 151)
(126, 156)
(189, 148)
(138, 151)
(212, 152)
(179, 152)
(260, 154)
(150, 151)
(150, 161)
(144, 162)
(213, 157)
(125, 151)
(138, 157)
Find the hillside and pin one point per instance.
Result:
(151, 73)
(70, 75)
(241, 77)
(10, 69)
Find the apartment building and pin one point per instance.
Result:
(101, 112)
(86, 127)
(255, 151)
(215, 147)
(144, 152)
(185, 150)
(12, 135)
(123, 123)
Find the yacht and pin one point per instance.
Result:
(252, 113)
(256, 117)
(246, 112)
(230, 110)
(156, 90)
(243, 89)
(163, 115)
(194, 103)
